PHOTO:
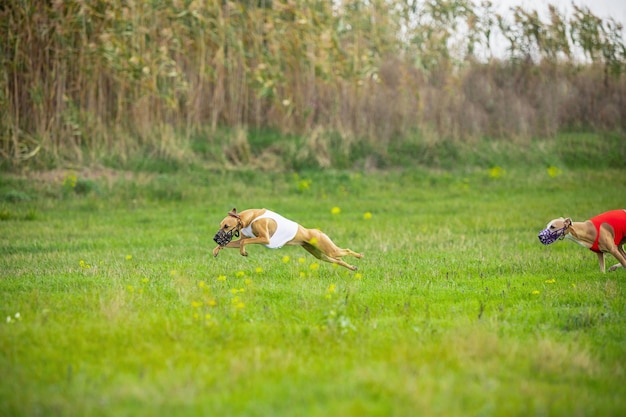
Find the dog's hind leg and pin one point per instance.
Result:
(321, 241)
(315, 251)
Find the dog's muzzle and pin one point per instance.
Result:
(223, 238)
(546, 236)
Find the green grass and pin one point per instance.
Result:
(456, 310)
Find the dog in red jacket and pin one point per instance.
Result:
(605, 233)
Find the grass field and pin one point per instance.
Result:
(112, 304)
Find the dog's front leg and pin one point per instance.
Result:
(601, 261)
(232, 244)
(620, 255)
(261, 240)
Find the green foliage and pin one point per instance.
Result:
(585, 150)
(112, 304)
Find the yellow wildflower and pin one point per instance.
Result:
(286, 259)
(70, 179)
(497, 172)
(304, 185)
(367, 215)
(335, 210)
(221, 278)
(554, 172)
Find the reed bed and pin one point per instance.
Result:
(84, 79)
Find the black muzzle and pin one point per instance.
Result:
(223, 238)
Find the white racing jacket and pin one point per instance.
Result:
(285, 230)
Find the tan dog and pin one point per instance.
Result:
(264, 227)
(605, 233)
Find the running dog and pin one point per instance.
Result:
(264, 227)
(605, 233)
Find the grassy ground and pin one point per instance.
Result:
(112, 304)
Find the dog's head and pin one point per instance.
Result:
(229, 227)
(555, 230)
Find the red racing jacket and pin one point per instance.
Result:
(616, 219)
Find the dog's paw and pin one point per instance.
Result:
(614, 267)
(243, 253)
(216, 252)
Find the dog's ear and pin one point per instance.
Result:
(567, 222)
(233, 213)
